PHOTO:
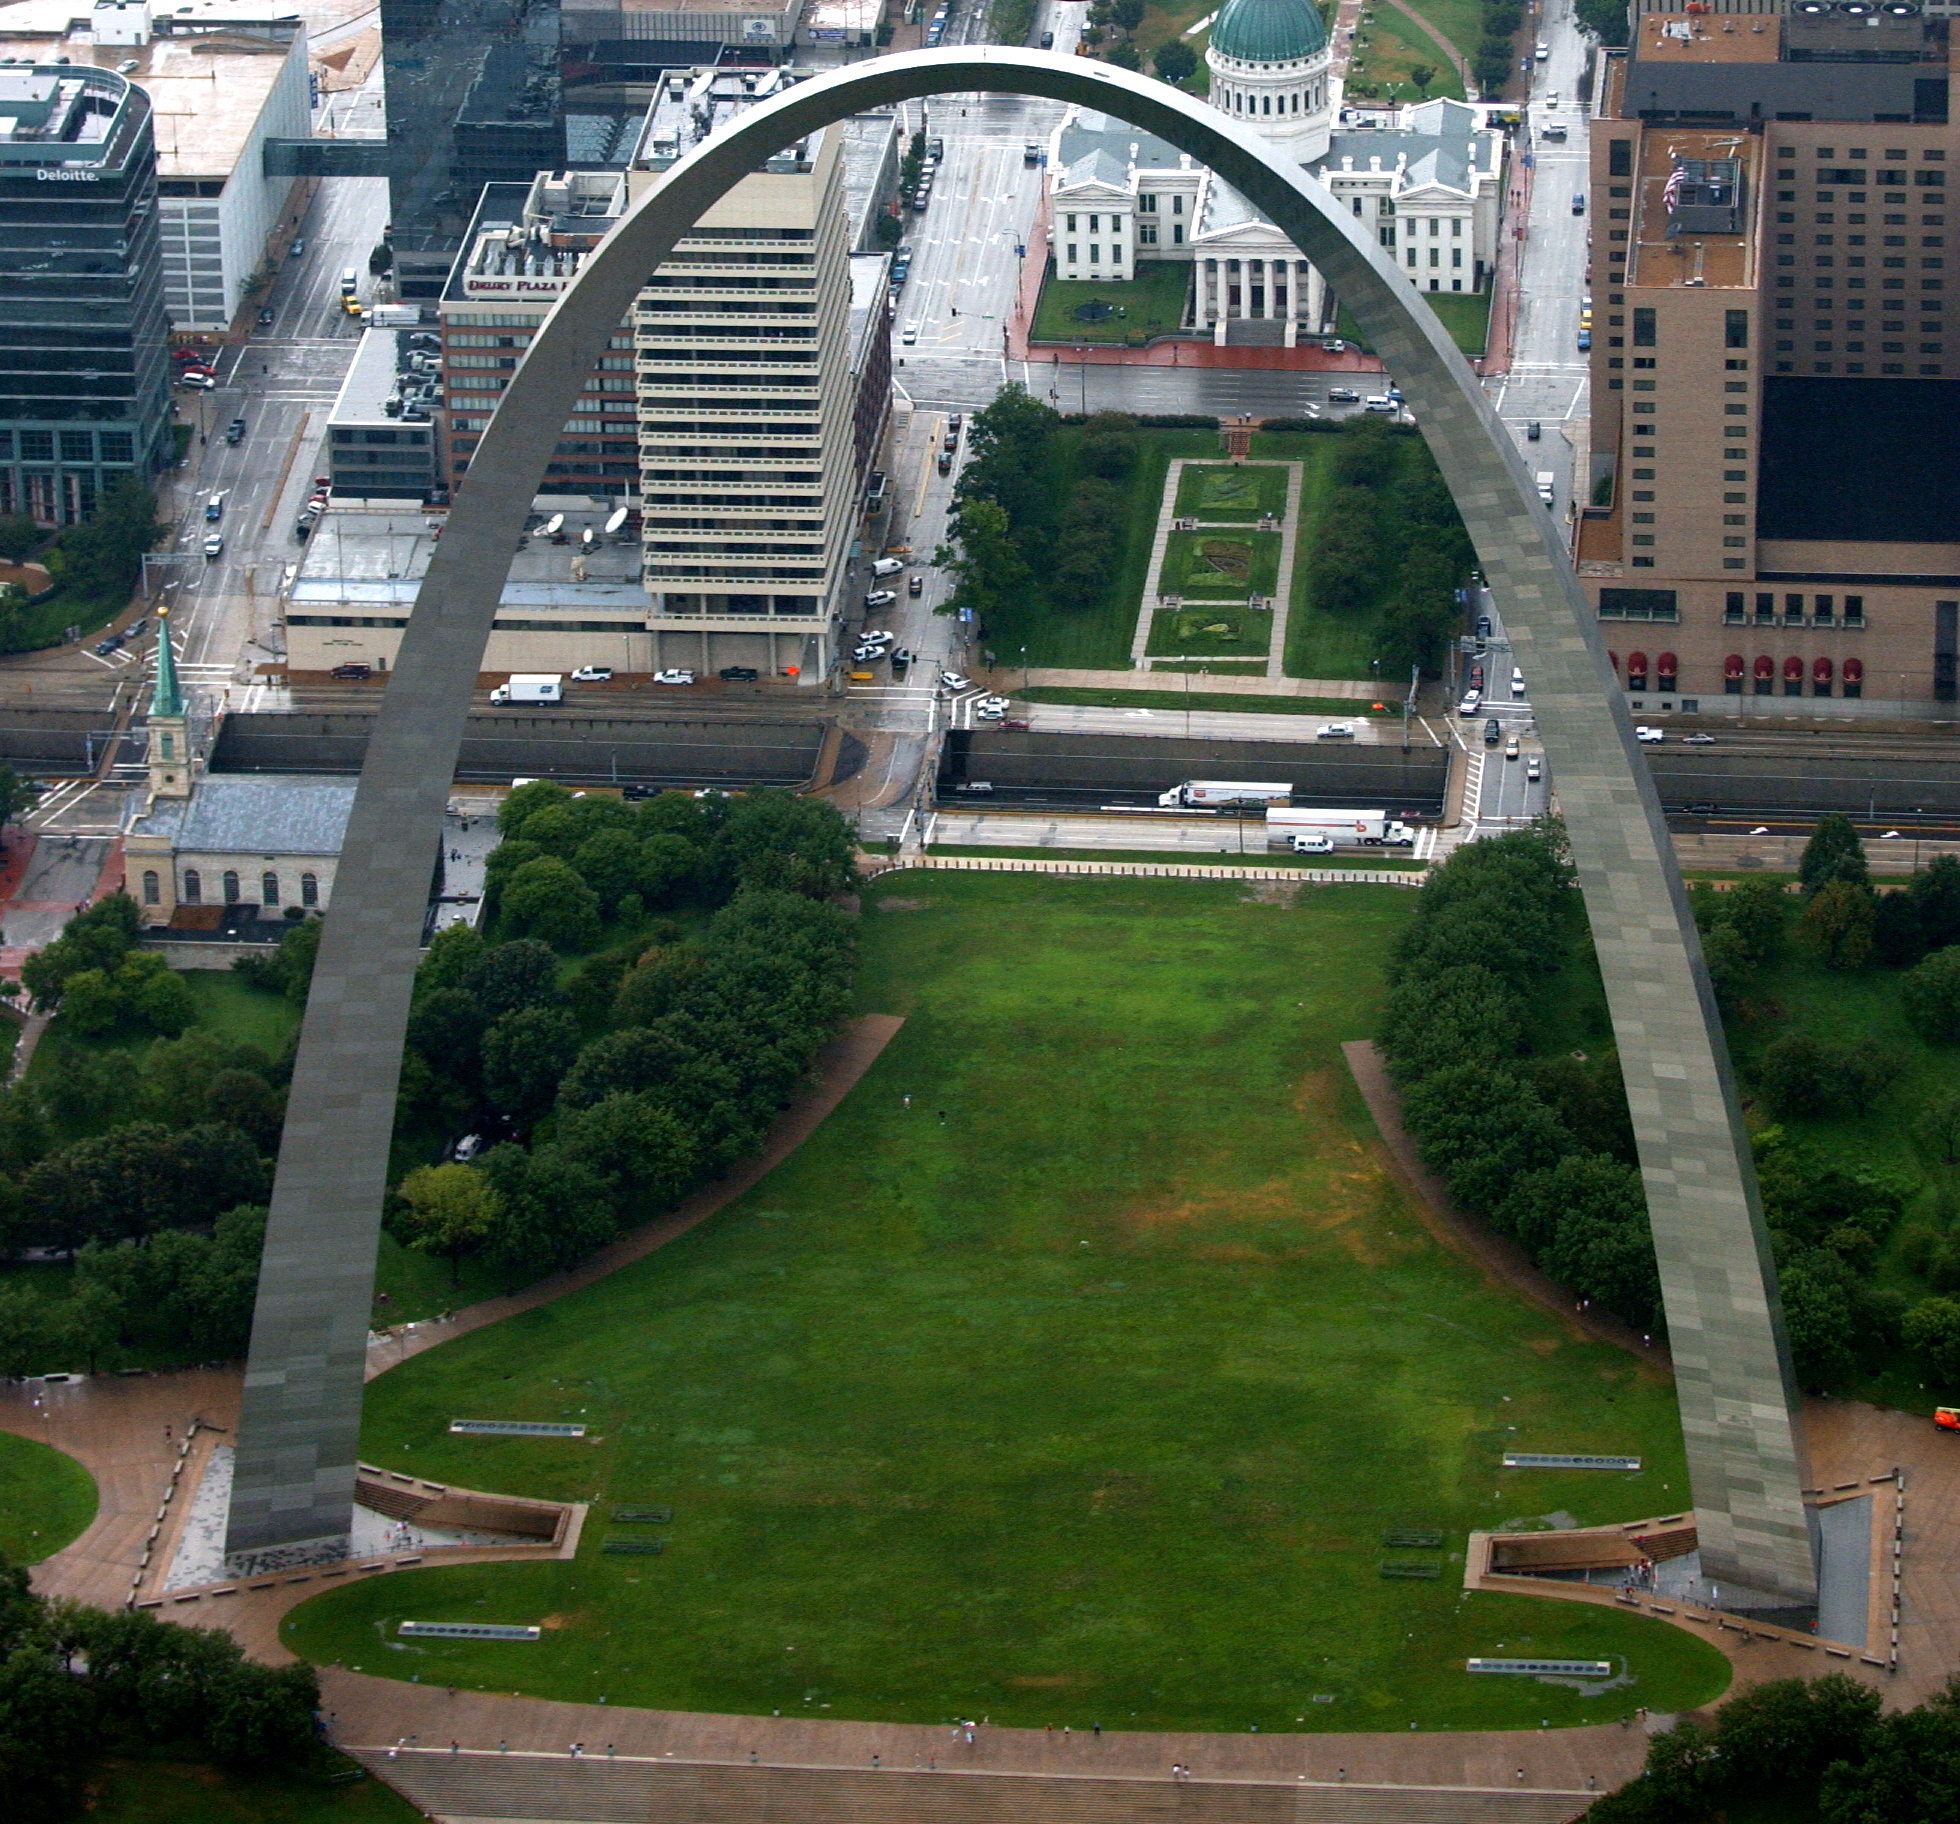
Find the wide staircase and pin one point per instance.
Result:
(485, 1788)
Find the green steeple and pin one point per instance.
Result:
(167, 699)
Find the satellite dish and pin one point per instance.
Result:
(554, 525)
(618, 519)
(587, 538)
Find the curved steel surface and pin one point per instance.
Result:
(297, 1445)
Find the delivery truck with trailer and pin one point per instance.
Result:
(531, 687)
(1289, 825)
(1222, 795)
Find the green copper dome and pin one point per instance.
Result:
(1268, 31)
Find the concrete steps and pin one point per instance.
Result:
(483, 1788)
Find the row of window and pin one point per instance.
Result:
(75, 446)
(193, 894)
(1823, 609)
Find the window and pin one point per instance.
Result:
(309, 889)
(231, 887)
(1177, 205)
(152, 888)
(193, 888)
(1095, 254)
(1643, 326)
(1736, 332)
(1619, 158)
(269, 888)
(1095, 224)
(1071, 224)
(1072, 255)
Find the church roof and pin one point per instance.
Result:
(167, 699)
(1268, 31)
(253, 814)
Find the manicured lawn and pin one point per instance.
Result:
(1464, 314)
(1227, 849)
(1231, 491)
(229, 1004)
(1099, 635)
(1216, 668)
(1396, 45)
(1212, 628)
(1230, 564)
(47, 1499)
(1318, 644)
(1083, 1390)
(1151, 304)
(160, 1791)
(1196, 699)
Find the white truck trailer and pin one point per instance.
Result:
(1222, 795)
(1286, 824)
(531, 687)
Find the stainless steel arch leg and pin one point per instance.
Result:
(297, 1443)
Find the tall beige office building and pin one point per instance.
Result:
(1776, 426)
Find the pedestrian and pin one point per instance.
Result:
(1099, 1732)
(908, 1101)
(166, 1434)
(942, 1117)
(455, 1747)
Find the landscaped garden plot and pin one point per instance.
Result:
(1113, 310)
(1215, 491)
(1208, 629)
(1228, 564)
(1084, 1389)
(46, 1499)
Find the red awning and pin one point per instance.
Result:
(1765, 668)
(1637, 664)
(1732, 665)
(1666, 665)
(1854, 671)
(1821, 670)
(1793, 668)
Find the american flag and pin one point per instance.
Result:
(1676, 178)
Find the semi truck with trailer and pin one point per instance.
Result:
(1222, 795)
(1292, 825)
(531, 687)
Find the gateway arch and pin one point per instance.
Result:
(299, 1433)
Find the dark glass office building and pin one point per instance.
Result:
(84, 368)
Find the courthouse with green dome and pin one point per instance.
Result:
(1427, 179)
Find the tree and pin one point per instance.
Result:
(1128, 14)
(1175, 62)
(1898, 940)
(803, 845)
(98, 938)
(1109, 446)
(455, 952)
(1817, 1316)
(1605, 20)
(610, 864)
(1930, 996)
(19, 536)
(1125, 56)
(25, 1332)
(1833, 852)
(646, 1154)
(545, 899)
(1933, 1328)
(1422, 75)
(1585, 1222)
(525, 1055)
(451, 1210)
(1935, 896)
(554, 1211)
(1085, 550)
(1909, 1771)
(514, 975)
(100, 558)
(288, 969)
(1757, 911)
(1838, 924)
(1939, 1127)
(984, 561)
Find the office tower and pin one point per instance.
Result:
(84, 387)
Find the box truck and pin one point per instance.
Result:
(1222, 795)
(1352, 829)
(393, 316)
(531, 687)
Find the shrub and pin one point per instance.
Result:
(1930, 996)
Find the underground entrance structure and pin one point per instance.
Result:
(299, 1432)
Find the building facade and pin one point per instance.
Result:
(1776, 328)
(84, 383)
(1429, 185)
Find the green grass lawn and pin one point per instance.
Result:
(1098, 636)
(250, 1016)
(1090, 1401)
(1318, 644)
(1212, 628)
(47, 1499)
(1151, 304)
(1196, 699)
(1231, 563)
(1215, 491)
(1465, 315)
(1394, 46)
(154, 1789)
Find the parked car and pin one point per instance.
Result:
(880, 598)
(295, 250)
(1585, 340)
(867, 655)
(196, 379)
(955, 680)
(1533, 431)
(915, 586)
(911, 334)
(887, 566)
(673, 676)
(214, 546)
(945, 462)
(104, 647)
(739, 674)
(352, 674)
(267, 316)
(877, 636)
(1517, 680)
(1342, 395)
(1534, 769)
(593, 674)
(1335, 731)
(1579, 203)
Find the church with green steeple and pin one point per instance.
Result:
(170, 741)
